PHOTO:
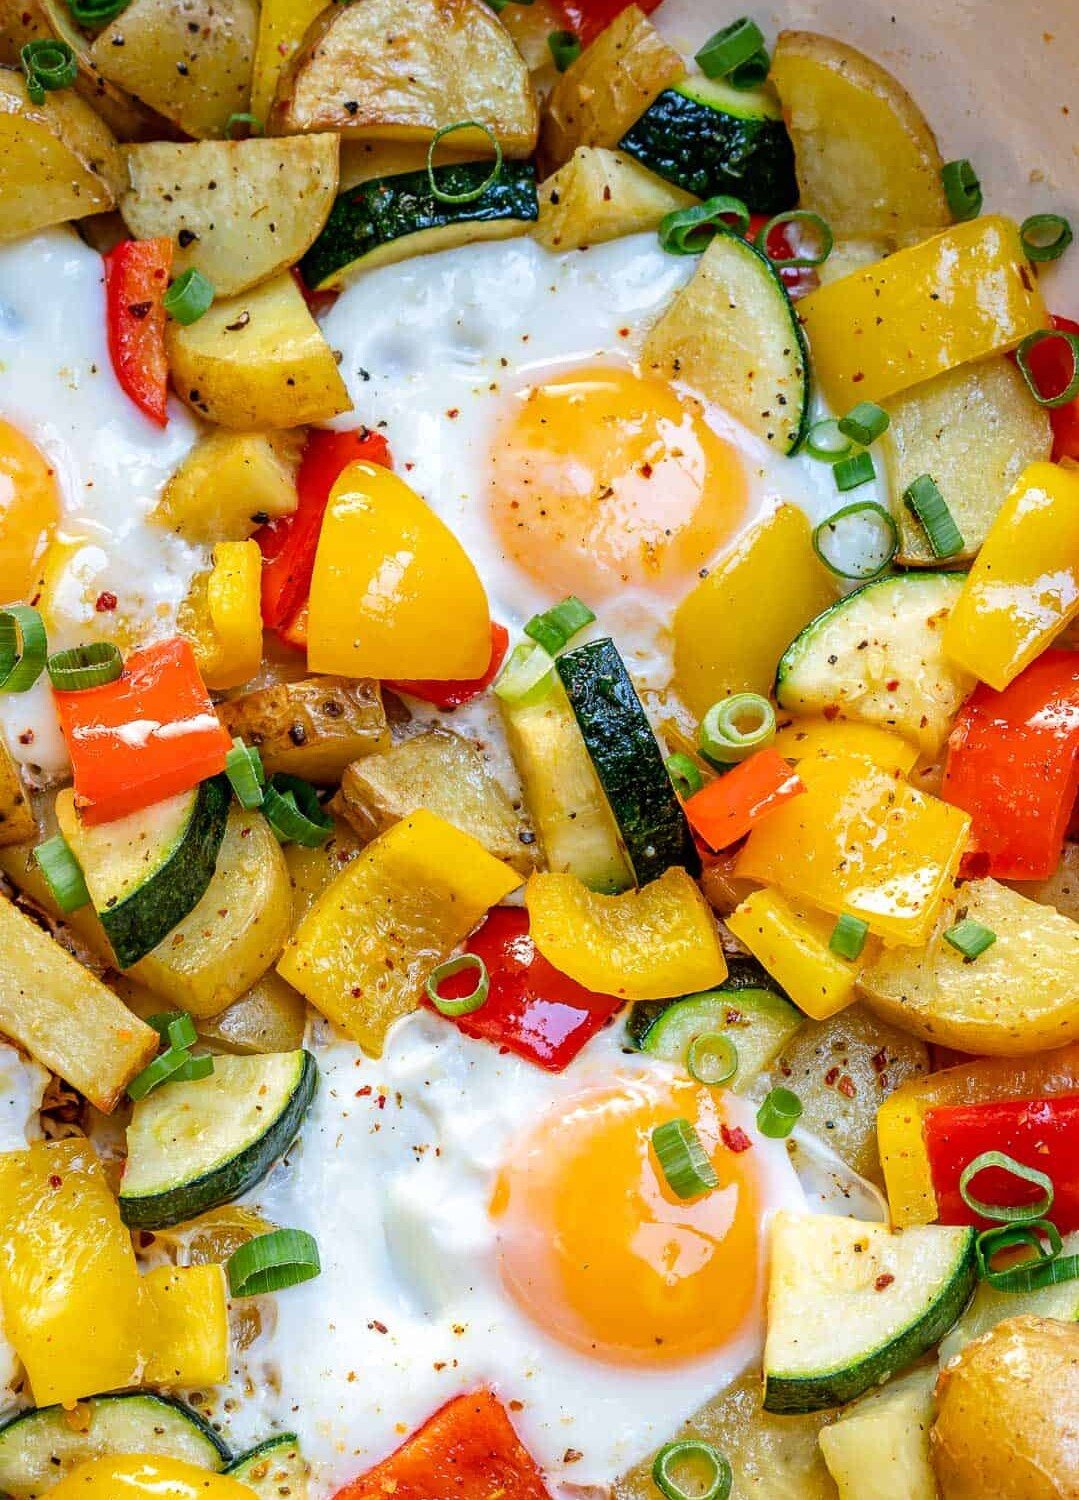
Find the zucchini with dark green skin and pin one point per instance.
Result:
(391, 218)
(628, 760)
(274, 1469)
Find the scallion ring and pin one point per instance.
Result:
(797, 216)
(193, 1069)
(685, 775)
(49, 65)
(462, 1005)
(848, 937)
(158, 1072)
(851, 473)
(1022, 359)
(962, 189)
(1006, 1213)
(85, 667)
(735, 727)
(293, 811)
(527, 676)
(826, 441)
(712, 1475)
(924, 500)
(556, 627)
(712, 1059)
(1045, 236)
(829, 529)
(471, 194)
(189, 297)
(1030, 1236)
(752, 73)
(689, 231)
(23, 648)
(564, 47)
(63, 874)
(243, 767)
(683, 1159)
(970, 938)
(779, 1114)
(251, 123)
(95, 13)
(730, 48)
(1033, 1275)
(271, 1262)
(174, 1027)
(864, 423)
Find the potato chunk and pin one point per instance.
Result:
(17, 822)
(313, 728)
(600, 195)
(229, 485)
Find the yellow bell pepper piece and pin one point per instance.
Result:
(901, 1117)
(1024, 586)
(371, 940)
(773, 580)
(186, 1321)
(234, 611)
(394, 594)
(793, 946)
(837, 737)
(646, 944)
(282, 24)
(147, 1477)
(861, 841)
(69, 1287)
(960, 296)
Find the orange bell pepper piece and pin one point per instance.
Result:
(726, 809)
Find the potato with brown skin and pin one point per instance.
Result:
(313, 728)
(1008, 1415)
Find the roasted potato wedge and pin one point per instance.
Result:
(611, 84)
(879, 1447)
(601, 195)
(974, 429)
(446, 774)
(866, 158)
(190, 60)
(229, 485)
(404, 69)
(238, 211)
(257, 361)
(271, 1017)
(17, 821)
(313, 728)
(363, 160)
(1019, 996)
(1061, 889)
(60, 161)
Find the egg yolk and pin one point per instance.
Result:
(29, 510)
(605, 478)
(598, 1251)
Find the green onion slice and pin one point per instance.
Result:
(752, 73)
(564, 47)
(848, 936)
(825, 440)
(470, 194)
(730, 48)
(683, 1160)
(735, 727)
(293, 811)
(63, 873)
(466, 1004)
(779, 1114)
(192, 1069)
(803, 258)
(174, 1027)
(158, 1072)
(850, 514)
(1004, 1212)
(1032, 1275)
(271, 1262)
(527, 676)
(85, 667)
(970, 938)
(554, 629)
(712, 1476)
(851, 473)
(243, 767)
(962, 189)
(251, 123)
(48, 65)
(712, 1059)
(1030, 1235)
(864, 423)
(93, 13)
(1045, 236)
(23, 648)
(685, 775)
(189, 297)
(689, 231)
(1022, 359)
(924, 500)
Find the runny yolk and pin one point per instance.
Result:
(605, 478)
(599, 1252)
(29, 510)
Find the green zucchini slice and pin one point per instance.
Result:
(758, 1021)
(392, 218)
(193, 1146)
(274, 1470)
(850, 1304)
(628, 760)
(38, 1448)
(709, 138)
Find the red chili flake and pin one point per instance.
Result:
(572, 1456)
(105, 602)
(735, 1139)
(880, 1060)
(830, 1077)
(846, 1086)
(55, 1182)
(382, 1101)
(884, 1281)
(516, 1405)
(893, 686)
(377, 1327)
(830, 711)
(363, 1093)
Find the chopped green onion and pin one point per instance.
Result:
(565, 48)
(962, 189)
(158, 1072)
(23, 648)
(712, 1059)
(731, 48)
(63, 874)
(527, 676)
(174, 1027)
(94, 13)
(48, 65)
(1045, 236)
(189, 297)
(779, 1114)
(830, 526)
(970, 938)
(992, 1242)
(683, 1160)
(470, 194)
(243, 767)
(252, 123)
(555, 628)
(1033, 1275)
(271, 1262)
(192, 1069)
(797, 216)
(701, 1459)
(735, 727)
(1022, 359)
(925, 501)
(848, 936)
(685, 775)
(851, 473)
(465, 1004)
(1006, 1213)
(293, 811)
(752, 73)
(689, 231)
(85, 667)
(865, 422)
(825, 441)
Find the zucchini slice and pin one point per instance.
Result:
(145, 872)
(877, 656)
(709, 138)
(274, 1469)
(193, 1146)
(392, 218)
(39, 1447)
(628, 760)
(851, 1304)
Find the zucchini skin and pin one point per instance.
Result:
(628, 761)
(255, 1468)
(742, 974)
(706, 151)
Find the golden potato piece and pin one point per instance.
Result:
(601, 195)
(17, 822)
(313, 728)
(1008, 1415)
(404, 69)
(126, 117)
(865, 156)
(229, 485)
(879, 1447)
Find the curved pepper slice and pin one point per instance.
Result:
(136, 280)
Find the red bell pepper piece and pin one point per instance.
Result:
(136, 280)
(1040, 1133)
(1013, 764)
(1052, 365)
(149, 735)
(589, 17)
(466, 1451)
(799, 280)
(448, 695)
(726, 809)
(531, 1008)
